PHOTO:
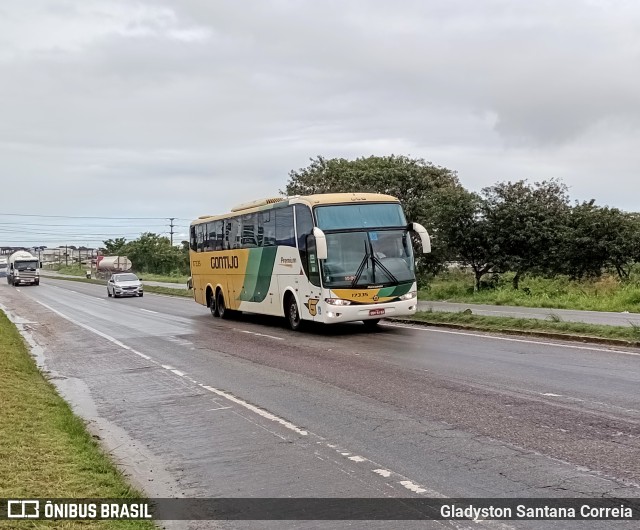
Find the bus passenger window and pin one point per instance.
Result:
(285, 234)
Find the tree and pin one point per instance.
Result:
(468, 233)
(114, 247)
(422, 188)
(527, 223)
(153, 253)
(598, 238)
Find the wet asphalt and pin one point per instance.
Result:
(245, 408)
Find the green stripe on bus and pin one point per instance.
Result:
(396, 290)
(258, 274)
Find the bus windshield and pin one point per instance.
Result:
(362, 215)
(364, 258)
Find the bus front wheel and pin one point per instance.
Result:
(292, 313)
(371, 324)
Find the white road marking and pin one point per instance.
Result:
(148, 311)
(99, 333)
(382, 472)
(258, 334)
(178, 373)
(257, 410)
(357, 458)
(411, 486)
(550, 394)
(509, 339)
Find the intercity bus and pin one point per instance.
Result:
(327, 258)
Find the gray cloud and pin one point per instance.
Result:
(193, 106)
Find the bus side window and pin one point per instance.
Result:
(285, 234)
(192, 239)
(200, 237)
(267, 229)
(218, 243)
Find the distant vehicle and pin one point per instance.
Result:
(23, 268)
(3, 266)
(113, 263)
(328, 258)
(124, 284)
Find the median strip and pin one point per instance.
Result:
(45, 450)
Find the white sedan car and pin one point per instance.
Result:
(125, 284)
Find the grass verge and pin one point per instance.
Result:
(45, 450)
(605, 294)
(629, 335)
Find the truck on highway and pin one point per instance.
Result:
(3, 266)
(106, 266)
(23, 268)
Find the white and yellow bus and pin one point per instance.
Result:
(325, 258)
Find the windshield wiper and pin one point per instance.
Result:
(363, 264)
(384, 269)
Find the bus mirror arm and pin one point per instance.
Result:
(424, 236)
(321, 243)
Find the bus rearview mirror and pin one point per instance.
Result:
(321, 243)
(424, 236)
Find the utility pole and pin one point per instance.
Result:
(171, 231)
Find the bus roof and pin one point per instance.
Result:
(311, 200)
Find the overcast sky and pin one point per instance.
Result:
(177, 109)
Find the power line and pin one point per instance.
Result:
(84, 216)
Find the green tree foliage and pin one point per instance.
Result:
(423, 189)
(600, 238)
(152, 253)
(468, 235)
(115, 247)
(527, 225)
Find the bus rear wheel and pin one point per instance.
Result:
(221, 308)
(213, 306)
(292, 313)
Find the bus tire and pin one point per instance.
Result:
(371, 324)
(292, 312)
(221, 307)
(211, 304)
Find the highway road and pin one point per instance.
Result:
(195, 406)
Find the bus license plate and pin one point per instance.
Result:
(376, 312)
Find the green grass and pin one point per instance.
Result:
(177, 278)
(631, 334)
(45, 450)
(187, 293)
(606, 294)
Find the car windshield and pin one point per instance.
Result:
(358, 259)
(126, 278)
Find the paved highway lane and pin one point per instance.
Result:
(404, 411)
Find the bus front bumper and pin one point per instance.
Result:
(331, 314)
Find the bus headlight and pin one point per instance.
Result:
(409, 296)
(337, 301)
